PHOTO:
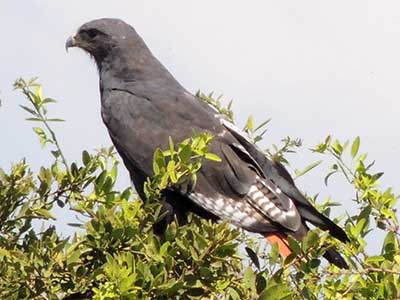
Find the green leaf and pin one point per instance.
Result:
(34, 119)
(253, 256)
(185, 153)
(390, 244)
(75, 172)
(171, 146)
(355, 147)
(164, 248)
(31, 111)
(164, 181)
(171, 166)
(250, 124)
(358, 229)
(48, 100)
(314, 263)
(45, 213)
(310, 241)
(39, 92)
(212, 156)
(375, 259)
(261, 283)
(73, 257)
(114, 172)
(234, 295)
(337, 148)
(275, 292)
(158, 161)
(56, 153)
(55, 120)
(307, 169)
(42, 135)
(294, 245)
(85, 158)
(39, 131)
(263, 124)
(249, 278)
(5, 253)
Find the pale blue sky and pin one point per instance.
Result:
(315, 67)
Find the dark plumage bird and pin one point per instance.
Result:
(142, 104)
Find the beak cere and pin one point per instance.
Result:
(71, 42)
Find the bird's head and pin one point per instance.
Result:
(118, 51)
(105, 38)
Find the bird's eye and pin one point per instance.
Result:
(92, 33)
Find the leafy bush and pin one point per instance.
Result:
(115, 254)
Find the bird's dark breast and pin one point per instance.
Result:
(138, 125)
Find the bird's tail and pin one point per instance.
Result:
(330, 255)
(313, 216)
(335, 258)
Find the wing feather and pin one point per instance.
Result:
(275, 173)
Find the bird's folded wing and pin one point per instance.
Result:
(276, 176)
(238, 187)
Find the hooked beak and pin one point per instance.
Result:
(71, 42)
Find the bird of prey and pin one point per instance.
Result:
(142, 105)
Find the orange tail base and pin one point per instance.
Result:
(282, 242)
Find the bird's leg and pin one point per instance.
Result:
(169, 211)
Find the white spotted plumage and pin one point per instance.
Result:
(260, 206)
(238, 212)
